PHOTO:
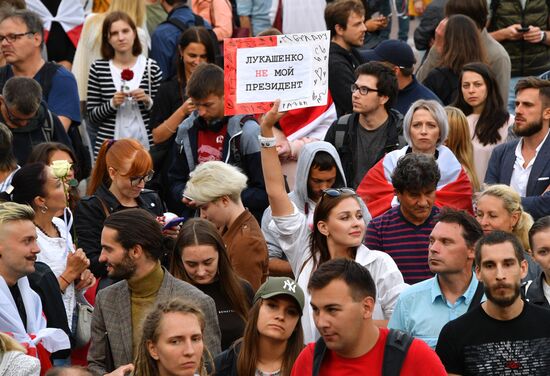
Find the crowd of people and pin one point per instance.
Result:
(401, 228)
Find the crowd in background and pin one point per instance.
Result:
(403, 226)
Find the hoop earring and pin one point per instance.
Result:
(43, 209)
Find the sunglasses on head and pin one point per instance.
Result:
(337, 192)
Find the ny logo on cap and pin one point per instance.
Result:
(290, 285)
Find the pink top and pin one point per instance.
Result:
(218, 13)
(482, 153)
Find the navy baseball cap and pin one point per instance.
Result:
(394, 51)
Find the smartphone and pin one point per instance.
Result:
(173, 222)
(523, 29)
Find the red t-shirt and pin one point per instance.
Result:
(421, 360)
(210, 144)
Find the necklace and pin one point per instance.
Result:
(57, 233)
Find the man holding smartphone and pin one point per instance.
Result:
(522, 29)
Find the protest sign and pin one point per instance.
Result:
(291, 67)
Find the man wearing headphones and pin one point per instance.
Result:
(208, 135)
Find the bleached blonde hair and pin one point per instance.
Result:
(11, 211)
(214, 179)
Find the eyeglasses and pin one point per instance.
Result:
(17, 120)
(14, 37)
(135, 180)
(363, 90)
(337, 192)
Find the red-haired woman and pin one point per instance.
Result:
(117, 182)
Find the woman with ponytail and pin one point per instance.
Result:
(117, 182)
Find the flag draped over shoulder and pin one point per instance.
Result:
(36, 337)
(453, 189)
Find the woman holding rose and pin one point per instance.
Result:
(61, 154)
(122, 85)
(44, 189)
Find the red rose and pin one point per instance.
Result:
(127, 74)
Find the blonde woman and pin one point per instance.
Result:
(498, 207)
(13, 360)
(458, 141)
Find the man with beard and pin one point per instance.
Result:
(504, 335)
(523, 163)
(132, 243)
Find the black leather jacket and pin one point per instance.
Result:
(533, 292)
(90, 215)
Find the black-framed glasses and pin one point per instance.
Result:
(13, 37)
(363, 90)
(337, 192)
(16, 120)
(135, 180)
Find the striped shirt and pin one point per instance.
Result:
(405, 242)
(101, 89)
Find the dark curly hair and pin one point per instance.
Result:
(415, 172)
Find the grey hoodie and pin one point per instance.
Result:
(300, 195)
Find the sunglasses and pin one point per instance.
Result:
(337, 192)
(135, 180)
(20, 122)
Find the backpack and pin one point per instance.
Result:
(395, 352)
(345, 123)
(342, 141)
(199, 21)
(235, 144)
(81, 151)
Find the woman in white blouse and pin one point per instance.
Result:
(36, 185)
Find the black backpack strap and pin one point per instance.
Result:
(235, 145)
(199, 21)
(318, 355)
(395, 352)
(177, 23)
(48, 127)
(342, 125)
(45, 75)
(476, 299)
(393, 133)
(3, 76)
